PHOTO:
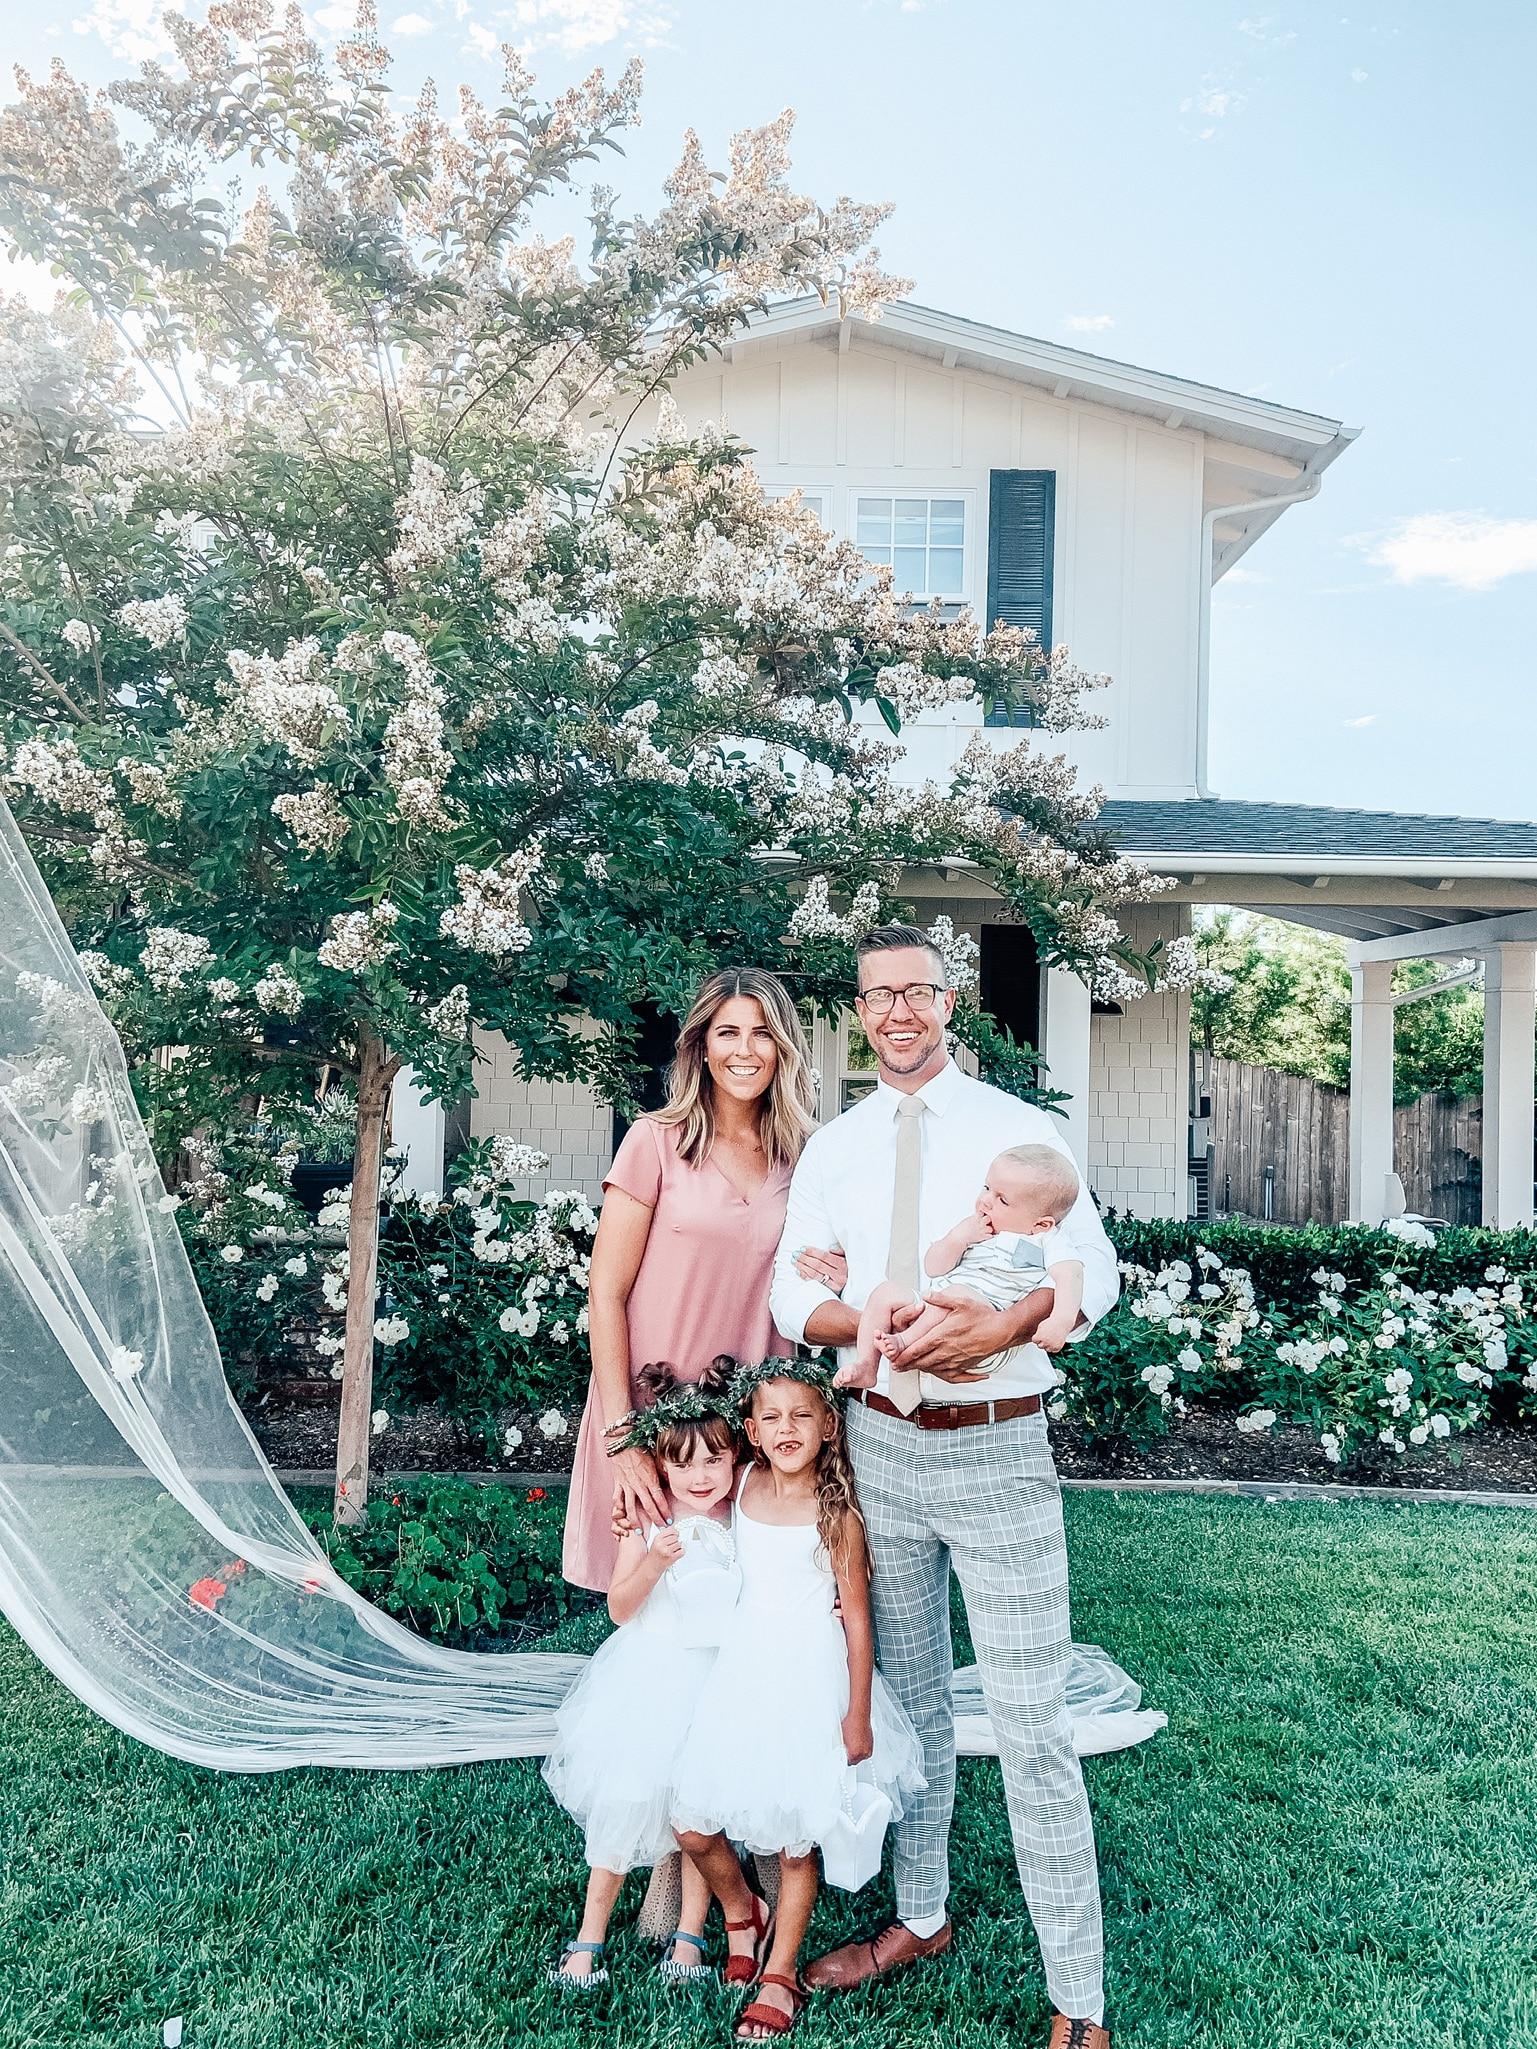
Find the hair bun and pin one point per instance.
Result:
(652, 1382)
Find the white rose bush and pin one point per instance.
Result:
(379, 656)
(1385, 1348)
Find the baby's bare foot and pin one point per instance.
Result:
(855, 1376)
(892, 1344)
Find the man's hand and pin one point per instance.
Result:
(970, 1333)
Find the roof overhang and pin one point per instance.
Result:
(1299, 439)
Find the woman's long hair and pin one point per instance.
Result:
(787, 1109)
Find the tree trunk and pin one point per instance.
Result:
(376, 1071)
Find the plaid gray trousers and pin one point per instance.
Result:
(985, 1501)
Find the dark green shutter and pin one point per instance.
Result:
(1021, 533)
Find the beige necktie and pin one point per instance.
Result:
(906, 1389)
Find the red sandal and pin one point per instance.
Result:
(769, 2017)
(747, 1970)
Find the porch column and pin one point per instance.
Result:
(1510, 1002)
(1065, 1044)
(1371, 1089)
(418, 1127)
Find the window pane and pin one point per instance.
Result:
(912, 521)
(811, 503)
(874, 521)
(861, 1053)
(910, 564)
(877, 555)
(945, 569)
(947, 522)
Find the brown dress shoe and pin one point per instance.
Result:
(856, 1962)
(1066, 2034)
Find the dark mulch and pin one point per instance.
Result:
(1207, 1447)
(302, 1434)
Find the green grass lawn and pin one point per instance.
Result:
(1335, 1841)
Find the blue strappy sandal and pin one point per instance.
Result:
(685, 1974)
(579, 1981)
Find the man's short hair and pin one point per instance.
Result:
(1057, 1175)
(897, 938)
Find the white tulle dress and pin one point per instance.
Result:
(620, 1732)
(764, 1759)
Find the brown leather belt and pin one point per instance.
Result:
(951, 1415)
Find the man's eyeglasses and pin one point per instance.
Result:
(919, 996)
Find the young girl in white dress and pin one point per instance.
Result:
(619, 1734)
(793, 1699)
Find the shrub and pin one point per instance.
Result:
(1386, 1341)
(454, 1560)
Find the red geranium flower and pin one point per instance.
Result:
(534, 1494)
(205, 1592)
(235, 1565)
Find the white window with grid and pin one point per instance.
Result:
(922, 540)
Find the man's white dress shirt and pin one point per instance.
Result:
(841, 1197)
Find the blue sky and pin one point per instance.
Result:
(1320, 206)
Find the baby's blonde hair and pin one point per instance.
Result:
(1054, 1171)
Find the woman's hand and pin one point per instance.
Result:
(830, 1268)
(638, 1495)
(858, 1737)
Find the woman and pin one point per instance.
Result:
(693, 1207)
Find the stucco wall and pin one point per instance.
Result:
(1139, 1086)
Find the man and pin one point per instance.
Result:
(955, 1471)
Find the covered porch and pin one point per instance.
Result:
(1397, 886)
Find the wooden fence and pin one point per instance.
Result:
(1300, 1129)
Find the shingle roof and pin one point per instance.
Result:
(1216, 825)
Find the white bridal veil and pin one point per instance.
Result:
(147, 1553)
(127, 1473)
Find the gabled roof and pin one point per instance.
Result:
(1307, 439)
(1243, 837)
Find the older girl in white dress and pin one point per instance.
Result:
(619, 1734)
(793, 1700)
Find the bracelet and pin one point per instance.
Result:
(625, 1424)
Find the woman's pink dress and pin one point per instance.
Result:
(702, 1289)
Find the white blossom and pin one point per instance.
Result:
(314, 817)
(552, 1424)
(232, 1254)
(80, 636)
(360, 939)
(486, 917)
(391, 1330)
(157, 620)
(169, 957)
(1255, 1422)
(450, 1016)
(279, 993)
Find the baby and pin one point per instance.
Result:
(1003, 1250)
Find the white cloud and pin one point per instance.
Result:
(1239, 574)
(1088, 323)
(1369, 720)
(1469, 550)
(340, 18)
(1360, 77)
(411, 25)
(481, 39)
(573, 26)
(130, 28)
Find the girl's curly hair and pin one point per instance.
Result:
(838, 1509)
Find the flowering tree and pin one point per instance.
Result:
(404, 678)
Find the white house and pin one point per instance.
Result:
(1097, 503)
